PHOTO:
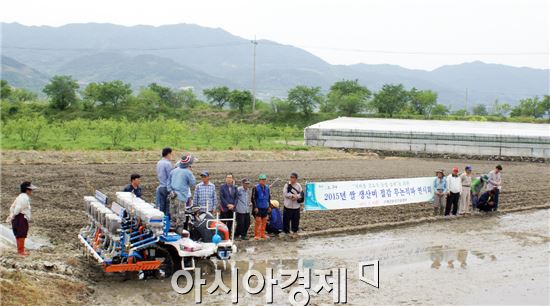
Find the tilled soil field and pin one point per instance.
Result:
(58, 213)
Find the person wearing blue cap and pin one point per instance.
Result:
(465, 204)
(205, 194)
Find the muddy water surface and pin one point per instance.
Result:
(500, 259)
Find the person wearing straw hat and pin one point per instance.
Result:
(261, 197)
(275, 220)
(20, 215)
(440, 194)
(465, 196)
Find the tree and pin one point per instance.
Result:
(305, 98)
(500, 109)
(206, 131)
(440, 110)
(149, 99)
(282, 106)
(532, 107)
(22, 95)
(348, 97)
(154, 129)
(460, 112)
(422, 102)
(288, 133)
(116, 130)
(5, 89)
(240, 100)
(176, 131)
(390, 99)
(260, 132)
(187, 98)
(113, 93)
(480, 110)
(217, 96)
(62, 91)
(74, 128)
(167, 96)
(236, 133)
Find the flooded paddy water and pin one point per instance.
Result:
(501, 259)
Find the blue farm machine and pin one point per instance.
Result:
(133, 235)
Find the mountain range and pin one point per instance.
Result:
(187, 55)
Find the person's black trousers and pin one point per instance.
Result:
(228, 214)
(291, 215)
(495, 199)
(243, 223)
(452, 200)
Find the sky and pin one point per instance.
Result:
(417, 34)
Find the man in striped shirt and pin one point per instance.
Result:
(205, 194)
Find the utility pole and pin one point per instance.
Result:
(466, 108)
(254, 42)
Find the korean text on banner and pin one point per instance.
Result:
(371, 193)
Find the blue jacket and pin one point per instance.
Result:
(260, 197)
(136, 191)
(228, 195)
(276, 220)
(180, 182)
(440, 184)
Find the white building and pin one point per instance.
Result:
(433, 136)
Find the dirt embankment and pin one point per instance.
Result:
(65, 177)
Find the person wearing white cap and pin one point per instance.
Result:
(20, 215)
(465, 204)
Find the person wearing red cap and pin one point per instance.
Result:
(454, 187)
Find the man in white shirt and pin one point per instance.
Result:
(454, 187)
(20, 215)
(495, 183)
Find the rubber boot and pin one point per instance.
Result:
(257, 228)
(21, 247)
(264, 225)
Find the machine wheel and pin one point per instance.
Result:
(169, 262)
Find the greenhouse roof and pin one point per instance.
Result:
(435, 126)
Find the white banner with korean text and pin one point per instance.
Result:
(371, 193)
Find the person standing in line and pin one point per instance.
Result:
(228, 199)
(440, 196)
(242, 210)
(179, 185)
(495, 184)
(465, 196)
(20, 215)
(292, 193)
(205, 194)
(454, 186)
(133, 187)
(261, 197)
(477, 187)
(164, 167)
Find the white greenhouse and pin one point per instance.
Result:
(432, 136)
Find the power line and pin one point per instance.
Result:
(233, 44)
